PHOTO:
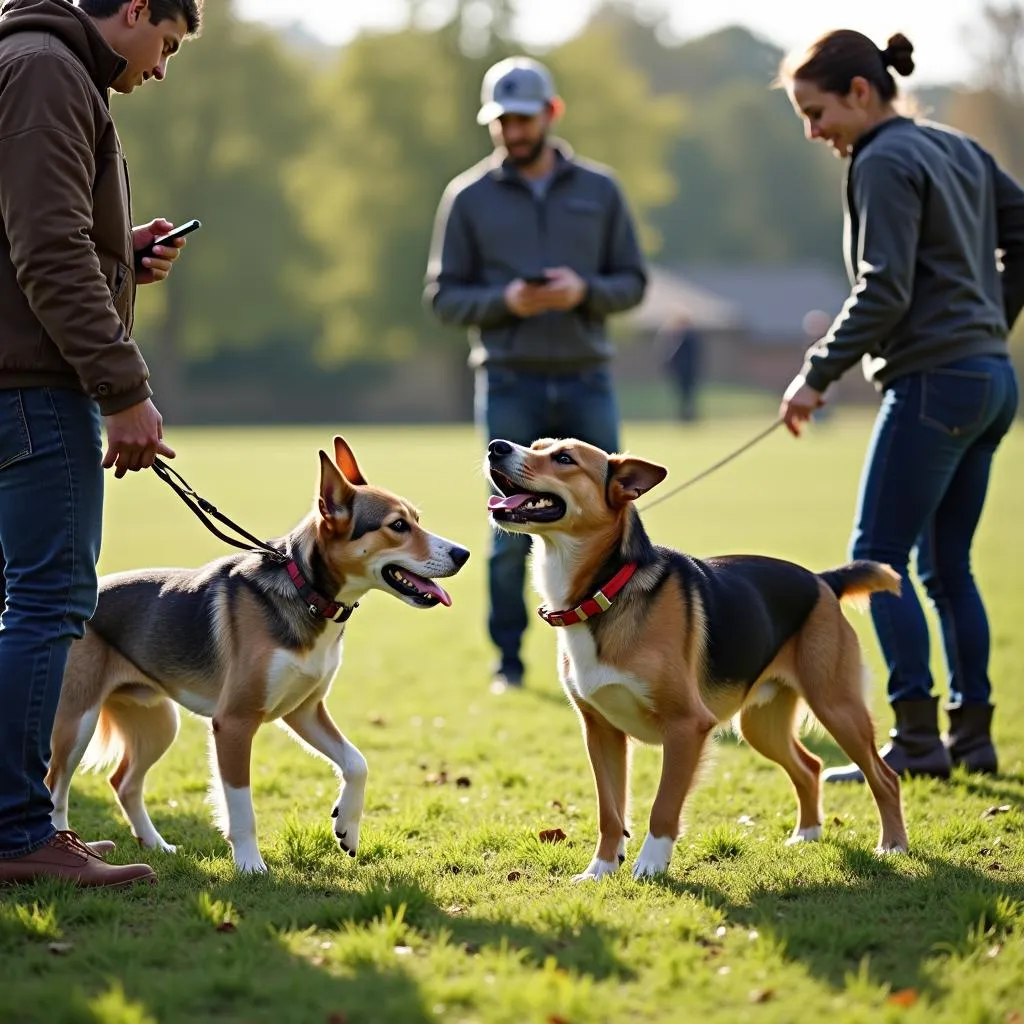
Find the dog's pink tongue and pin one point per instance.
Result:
(430, 587)
(496, 501)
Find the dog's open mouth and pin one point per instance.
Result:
(422, 591)
(515, 504)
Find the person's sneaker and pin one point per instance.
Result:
(508, 677)
(66, 856)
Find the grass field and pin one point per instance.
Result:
(455, 911)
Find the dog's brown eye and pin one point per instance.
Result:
(564, 459)
(399, 526)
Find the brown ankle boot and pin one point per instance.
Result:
(66, 856)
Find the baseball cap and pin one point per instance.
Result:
(517, 85)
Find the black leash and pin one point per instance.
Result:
(204, 509)
(718, 465)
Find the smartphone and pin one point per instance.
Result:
(179, 232)
(535, 278)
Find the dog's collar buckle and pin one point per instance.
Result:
(319, 607)
(599, 602)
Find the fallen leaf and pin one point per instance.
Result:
(463, 782)
(337, 1018)
(991, 812)
(471, 948)
(905, 997)
(455, 909)
(552, 835)
(761, 995)
(557, 805)
(377, 719)
(60, 948)
(995, 866)
(745, 819)
(514, 876)
(436, 778)
(227, 926)
(837, 821)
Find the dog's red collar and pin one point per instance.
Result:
(600, 602)
(317, 605)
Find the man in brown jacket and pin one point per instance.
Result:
(67, 359)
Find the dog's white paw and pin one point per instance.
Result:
(885, 849)
(160, 844)
(597, 869)
(248, 859)
(346, 826)
(811, 834)
(654, 857)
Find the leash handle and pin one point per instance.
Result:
(203, 509)
(718, 465)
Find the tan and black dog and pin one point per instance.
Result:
(243, 640)
(662, 647)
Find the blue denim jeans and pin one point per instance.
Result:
(521, 406)
(51, 517)
(923, 487)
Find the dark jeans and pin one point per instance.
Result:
(522, 407)
(51, 513)
(924, 486)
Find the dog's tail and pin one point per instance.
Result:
(857, 581)
(107, 745)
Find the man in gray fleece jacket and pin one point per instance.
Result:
(533, 248)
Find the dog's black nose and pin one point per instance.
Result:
(460, 556)
(499, 449)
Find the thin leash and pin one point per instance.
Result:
(204, 509)
(718, 465)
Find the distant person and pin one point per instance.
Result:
(67, 360)
(929, 313)
(681, 348)
(533, 248)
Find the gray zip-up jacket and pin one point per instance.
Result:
(490, 229)
(926, 208)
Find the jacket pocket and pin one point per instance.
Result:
(15, 441)
(954, 401)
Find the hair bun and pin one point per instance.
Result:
(898, 54)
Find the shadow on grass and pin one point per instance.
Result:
(338, 944)
(879, 918)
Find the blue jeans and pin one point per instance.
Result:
(51, 516)
(924, 486)
(521, 407)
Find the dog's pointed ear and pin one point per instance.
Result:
(336, 494)
(629, 479)
(347, 462)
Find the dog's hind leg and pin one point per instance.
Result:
(146, 731)
(770, 728)
(312, 724)
(830, 671)
(69, 741)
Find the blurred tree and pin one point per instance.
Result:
(213, 142)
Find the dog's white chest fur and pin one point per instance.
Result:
(293, 677)
(619, 696)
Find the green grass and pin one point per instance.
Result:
(455, 910)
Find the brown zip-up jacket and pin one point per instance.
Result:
(67, 264)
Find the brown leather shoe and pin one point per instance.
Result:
(66, 856)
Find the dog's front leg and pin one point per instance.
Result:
(313, 724)
(606, 746)
(232, 739)
(683, 741)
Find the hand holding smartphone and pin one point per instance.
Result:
(179, 232)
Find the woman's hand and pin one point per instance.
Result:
(798, 404)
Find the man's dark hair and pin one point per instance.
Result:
(159, 10)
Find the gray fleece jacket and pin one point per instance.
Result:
(491, 228)
(926, 209)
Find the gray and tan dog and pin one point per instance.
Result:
(663, 647)
(243, 640)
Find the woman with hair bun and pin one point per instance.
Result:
(926, 209)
